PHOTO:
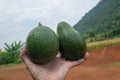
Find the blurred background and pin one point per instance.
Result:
(98, 21)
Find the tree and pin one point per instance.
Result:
(104, 18)
(0, 51)
(13, 47)
(11, 53)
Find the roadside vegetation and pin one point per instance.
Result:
(11, 53)
(113, 64)
(102, 44)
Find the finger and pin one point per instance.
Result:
(58, 55)
(75, 63)
(86, 56)
(23, 52)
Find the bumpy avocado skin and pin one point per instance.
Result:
(42, 45)
(72, 45)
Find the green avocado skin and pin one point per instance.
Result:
(72, 45)
(42, 45)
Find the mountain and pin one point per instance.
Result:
(102, 22)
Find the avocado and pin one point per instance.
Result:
(72, 44)
(42, 44)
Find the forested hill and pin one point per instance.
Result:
(102, 22)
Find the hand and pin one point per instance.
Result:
(54, 70)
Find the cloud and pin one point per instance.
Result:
(18, 17)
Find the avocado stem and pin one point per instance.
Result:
(39, 24)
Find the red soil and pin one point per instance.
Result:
(104, 56)
(90, 70)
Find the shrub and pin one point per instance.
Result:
(101, 44)
(11, 53)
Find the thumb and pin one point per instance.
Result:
(75, 63)
(24, 57)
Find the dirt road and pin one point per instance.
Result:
(99, 66)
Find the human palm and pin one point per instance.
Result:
(54, 70)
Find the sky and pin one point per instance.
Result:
(19, 17)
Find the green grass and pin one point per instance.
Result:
(102, 44)
(8, 65)
(113, 64)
